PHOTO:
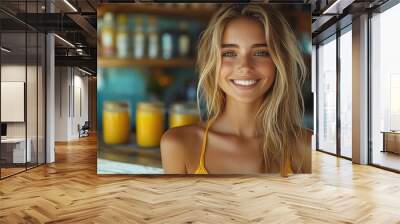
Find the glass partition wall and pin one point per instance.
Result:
(345, 67)
(385, 89)
(334, 94)
(326, 56)
(334, 99)
(22, 77)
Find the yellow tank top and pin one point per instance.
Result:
(201, 169)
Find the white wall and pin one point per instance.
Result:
(80, 84)
(13, 73)
(61, 103)
(70, 83)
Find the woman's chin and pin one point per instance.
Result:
(248, 99)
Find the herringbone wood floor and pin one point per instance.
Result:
(69, 191)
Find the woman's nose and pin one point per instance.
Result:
(244, 65)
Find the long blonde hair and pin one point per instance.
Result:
(280, 115)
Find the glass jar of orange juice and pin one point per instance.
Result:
(149, 124)
(116, 122)
(182, 114)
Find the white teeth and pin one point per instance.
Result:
(244, 82)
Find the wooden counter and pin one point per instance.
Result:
(391, 141)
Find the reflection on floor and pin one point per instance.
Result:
(10, 171)
(387, 159)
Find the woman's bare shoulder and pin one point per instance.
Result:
(182, 135)
(179, 147)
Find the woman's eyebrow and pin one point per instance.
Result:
(236, 46)
(260, 45)
(229, 45)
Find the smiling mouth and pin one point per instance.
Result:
(244, 82)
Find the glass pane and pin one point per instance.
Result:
(41, 99)
(346, 94)
(31, 97)
(385, 84)
(327, 97)
(32, 86)
(23, 80)
(14, 153)
(314, 79)
(41, 89)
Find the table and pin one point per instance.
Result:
(13, 150)
(391, 141)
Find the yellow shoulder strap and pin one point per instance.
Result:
(203, 146)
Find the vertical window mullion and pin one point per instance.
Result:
(338, 73)
(26, 86)
(317, 96)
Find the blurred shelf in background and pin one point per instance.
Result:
(199, 13)
(161, 63)
(130, 153)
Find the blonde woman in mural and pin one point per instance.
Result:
(251, 71)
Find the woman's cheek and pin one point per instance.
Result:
(226, 62)
(268, 69)
(226, 68)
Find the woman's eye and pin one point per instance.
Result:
(228, 54)
(261, 53)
